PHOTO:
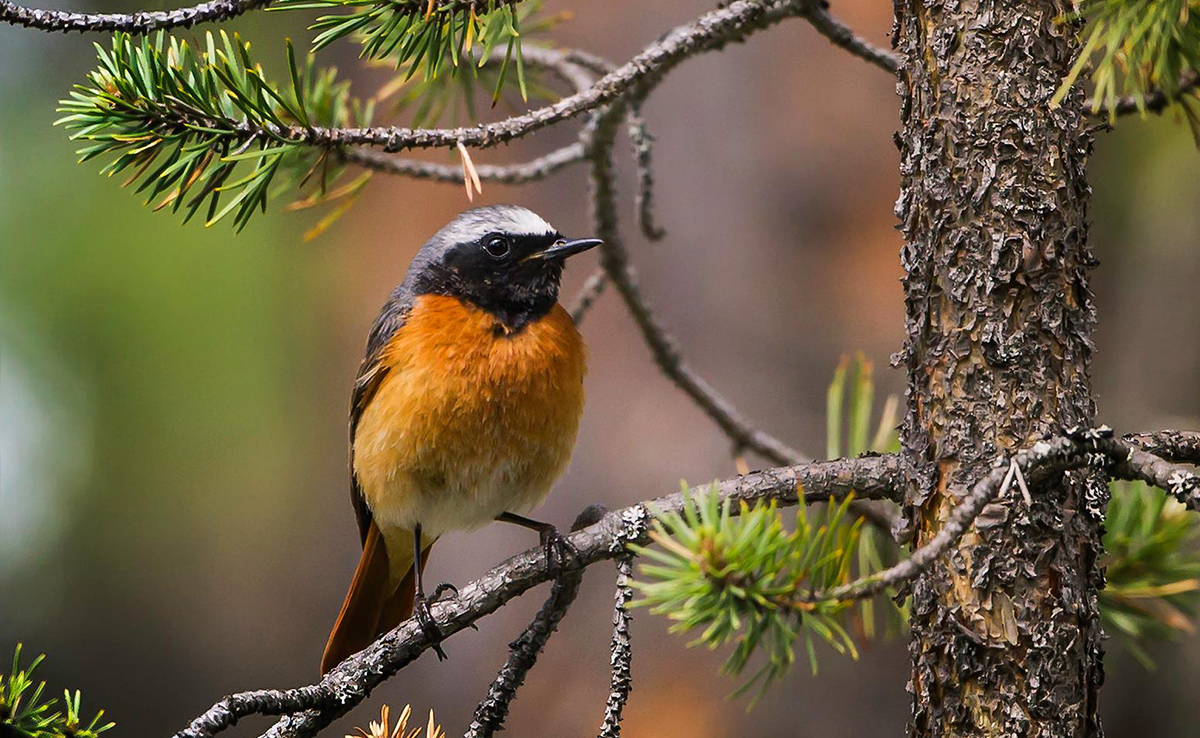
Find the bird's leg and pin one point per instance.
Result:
(559, 551)
(421, 603)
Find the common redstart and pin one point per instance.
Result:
(464, 411)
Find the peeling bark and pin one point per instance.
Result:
(1006, 638)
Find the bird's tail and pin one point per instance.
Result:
(373, 605)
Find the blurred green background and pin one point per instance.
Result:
(174, 522)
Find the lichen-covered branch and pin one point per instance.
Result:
(621, 652)
(142, 21)
(1171, 445)
(493, 710)
(312, 707)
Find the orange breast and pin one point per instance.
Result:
(470, 421)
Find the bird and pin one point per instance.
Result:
(465, 409)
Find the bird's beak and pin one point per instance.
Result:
(562, 248)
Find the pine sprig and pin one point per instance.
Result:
(25, 711)
(1153, 568)
(428, 35)
(1135, 47)
(740, 579)
(849, 406)
(431, 99)
(199, 127)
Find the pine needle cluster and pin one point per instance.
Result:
(26, 711)
(203, 128)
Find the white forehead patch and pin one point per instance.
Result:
(477, 223)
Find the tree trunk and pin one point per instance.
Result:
(1005, 627)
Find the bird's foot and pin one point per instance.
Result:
(425, 620)
(561, 554)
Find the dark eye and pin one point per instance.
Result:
(496, 247)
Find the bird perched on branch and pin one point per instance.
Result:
(465, 409)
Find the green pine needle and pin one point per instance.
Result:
(25, 711)
(430, 36)
(739, 579)
(195, 128)
(1153, 568)
(1134, 47)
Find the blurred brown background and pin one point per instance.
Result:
(174, 523)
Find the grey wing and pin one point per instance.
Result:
(370, 375)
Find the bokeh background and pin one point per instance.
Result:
(174, 523)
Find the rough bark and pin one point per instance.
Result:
(1005, 628)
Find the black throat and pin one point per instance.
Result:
(515, 301)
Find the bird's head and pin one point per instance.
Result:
(504, 259)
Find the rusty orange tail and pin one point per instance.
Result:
(372, 606)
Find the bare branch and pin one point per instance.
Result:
(511, 174)
(875, 477)
(492, 711)
(622, 652)
(843, 36)
(643, 154)
(142, 21)
(615, 261)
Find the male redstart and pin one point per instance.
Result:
(465, 409)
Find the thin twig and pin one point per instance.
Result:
(142, 21)
(493, 710)
(511, 174)
(353, 680)
(615, 261)
(621, 652)
(842, 35)
(643, 154)
(587, 295)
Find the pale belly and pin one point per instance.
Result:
(467, 425)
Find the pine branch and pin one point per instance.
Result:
(352, 681)
(140, 22)
(197, 125)
(25, 710)
(1137, 48)
(710, 32)
(739, 576)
